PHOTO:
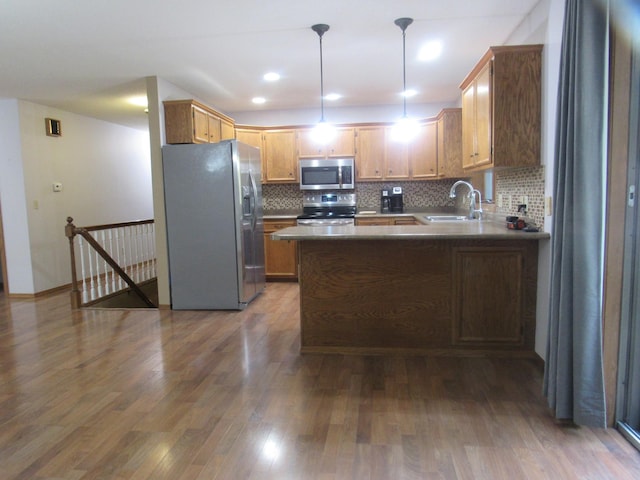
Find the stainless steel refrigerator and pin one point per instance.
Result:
(213, 202)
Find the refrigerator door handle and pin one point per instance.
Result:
(254, 189)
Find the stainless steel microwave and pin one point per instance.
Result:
(327, 174)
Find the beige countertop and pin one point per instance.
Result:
(481, 230)
(279, 214)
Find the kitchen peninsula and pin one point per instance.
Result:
(459, 288)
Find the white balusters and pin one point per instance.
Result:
(132, 247)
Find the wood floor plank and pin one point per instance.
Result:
(192, 395)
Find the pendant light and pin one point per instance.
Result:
(323, 131)
(404, 129)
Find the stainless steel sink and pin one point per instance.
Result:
(446, 218)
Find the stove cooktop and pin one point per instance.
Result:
(328, 205)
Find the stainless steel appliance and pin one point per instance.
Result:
(213, 203)
(391, 200)
(327, 174)
(328, 209)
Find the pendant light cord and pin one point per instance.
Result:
(320, 29)
(404, 75)
(403, 23)
(321, 84)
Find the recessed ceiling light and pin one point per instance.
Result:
(409, 93)
(430, 51)
(271, 77)
(258, 100)
(332, 96)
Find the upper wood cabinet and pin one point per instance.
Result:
(476, 120)
(370, 153)
(343, 145)
(423, 152)
(280, 156)
(252, 137)
(379, 157)
(396, 157)
(501, 109)
(188, 121)
(450, 143)
(227, 130)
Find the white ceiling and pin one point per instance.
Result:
(87, 57)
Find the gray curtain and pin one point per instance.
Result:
(574, 378)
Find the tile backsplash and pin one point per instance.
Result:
(510, 183)
(416, 194)
(515, 182)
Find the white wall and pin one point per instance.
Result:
(105, 170)
(12, 194)
(544, 25)
(159, 90)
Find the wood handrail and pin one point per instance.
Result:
(114, 225)
(71, 231)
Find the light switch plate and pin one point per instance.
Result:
(548, 205)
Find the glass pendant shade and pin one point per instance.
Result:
(405, 129)
(323, 132)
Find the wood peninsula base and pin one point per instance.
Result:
(441, 296)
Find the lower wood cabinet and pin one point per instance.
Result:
(281, 257)
(386, 220)
(488, 299)
(440, 296)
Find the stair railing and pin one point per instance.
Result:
(111, 258)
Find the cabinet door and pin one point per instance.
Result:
(369, 153)
(307, 146)
(483, 116)
(253, 138)
(423, 152)
(488, 298)
(281, 257)
(227, 130)
(405, 221)
(200, 125)
(374, 221)
(469, 126)
(214, 129)
(396, 156)
(250, 137)
(344, 143)
(450, 144)
(280, 156)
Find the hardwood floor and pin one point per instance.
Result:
(137, 394)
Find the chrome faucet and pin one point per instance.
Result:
(471, 196)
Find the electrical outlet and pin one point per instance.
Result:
(524, 200)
